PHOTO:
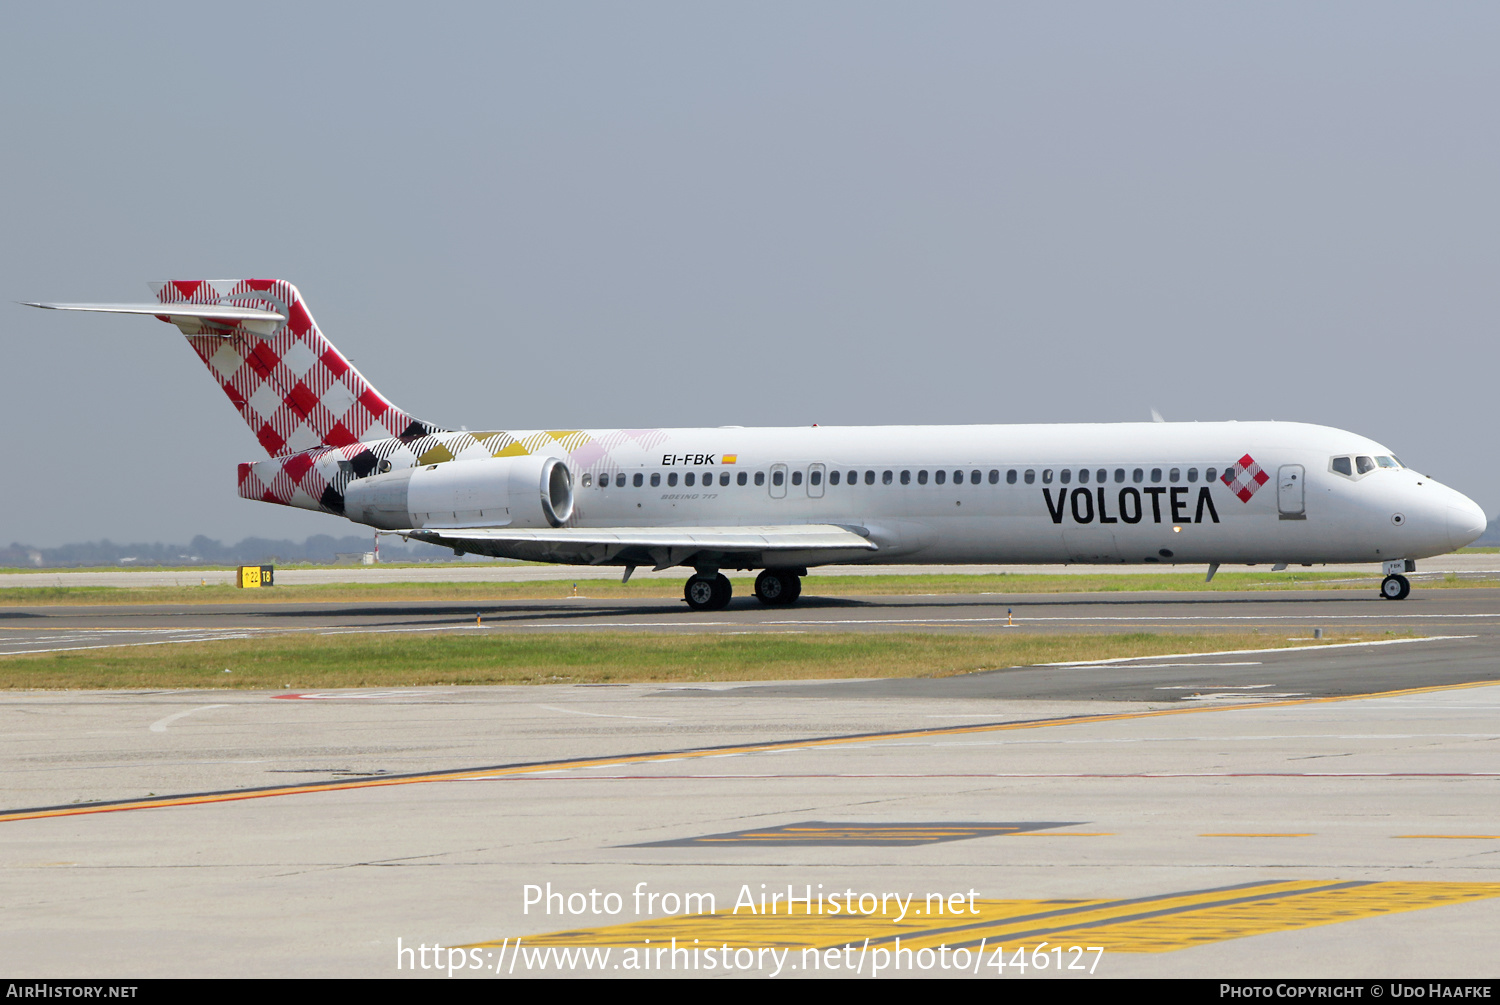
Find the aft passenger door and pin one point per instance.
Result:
(1291, 496)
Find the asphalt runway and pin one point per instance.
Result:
(1328, 812)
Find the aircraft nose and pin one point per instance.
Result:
(1466, 521)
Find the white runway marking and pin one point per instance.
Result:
(160, 725)
(601, 715)
(1088, 664)
(123, 645)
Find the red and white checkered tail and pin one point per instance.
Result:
(293, 388)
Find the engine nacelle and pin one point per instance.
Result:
(494, 492)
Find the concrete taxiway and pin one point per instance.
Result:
(1222, 815)
(499, 571)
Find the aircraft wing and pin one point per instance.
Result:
(662, 547)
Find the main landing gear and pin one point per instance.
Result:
(778, 586)
(709, 590)
(1396, 586)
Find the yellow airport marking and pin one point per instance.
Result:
(1136, 925)
(1453, 837)
(1064, 834)
(1233, 835)
(511, 771)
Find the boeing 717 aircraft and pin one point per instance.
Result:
(784, 499)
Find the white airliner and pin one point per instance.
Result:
(781, 500)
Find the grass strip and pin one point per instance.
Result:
(608, 589)
(306, 661)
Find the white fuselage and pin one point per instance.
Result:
(1129, 492)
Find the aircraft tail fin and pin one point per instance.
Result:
(292, 387)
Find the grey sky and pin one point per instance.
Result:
(564, 216)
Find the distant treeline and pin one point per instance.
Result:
(321, 548)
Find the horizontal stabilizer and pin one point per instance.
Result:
(192, 314)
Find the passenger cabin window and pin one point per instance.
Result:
(975, 477)
(777, 477)
(1364, 465)
(741, 478)
(1192, 474)
(1119, 474)
(869, 478)
(854, 478)
(885, 479)
(588, 480)
(1174, 476)
(639, 479)
(958, 478)
(1046, 476)
(1208, 475)
(760, 477)
(671, 479)
(815, 477)
(940, 477)
(1065, 476)
(655, 479)
(906, 478)
(994, 476)
(689, 479)
(1030, 475)
(723, 477)
(1083, 476)
(1138, 476)
(1343, 466)
(922, 477)
(833, 478)
(1010, 477)
(1156, 474)
(796, 478)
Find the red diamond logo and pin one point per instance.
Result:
(1244, 478)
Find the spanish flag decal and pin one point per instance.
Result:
(731, 458)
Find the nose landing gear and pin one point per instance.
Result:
(1396, 586)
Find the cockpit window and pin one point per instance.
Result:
(1342, 466)
(1364, 465)
(1387, 462)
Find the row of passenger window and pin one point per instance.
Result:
(1137, 475)
(689, 479)
(940, 477)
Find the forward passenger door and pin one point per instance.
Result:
(1291, 501)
